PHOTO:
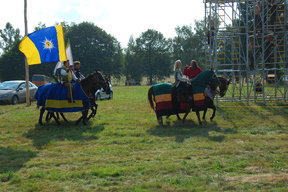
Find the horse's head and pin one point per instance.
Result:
(223, 85)
(220, 82)
(100, 81)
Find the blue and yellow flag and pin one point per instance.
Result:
(45, 45)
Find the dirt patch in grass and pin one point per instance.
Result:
(270, 178)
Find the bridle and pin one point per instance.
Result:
(226, 86)
(102, 81)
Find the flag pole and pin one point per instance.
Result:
(28, 102)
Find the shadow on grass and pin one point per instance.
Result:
(42, 135)
(189, 129)
(12, 160)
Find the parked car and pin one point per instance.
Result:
(15, 91)
(101, 94)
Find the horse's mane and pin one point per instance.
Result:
(86, 79)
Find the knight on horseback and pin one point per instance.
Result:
(64, 76)
(192, 72)
(179, 79)
(77, 77)
(77, 72)
(180, 84)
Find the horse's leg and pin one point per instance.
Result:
(64, 118)
(160, 120)
(198, 116)
(187, 112)
(178, 117)
(78, 120)
(48, 116)
(91, 114)
(204, 114)
(42, 110)
(214, 112)
(84, 114)
(93, 108)
(55, 118)
(93, 111)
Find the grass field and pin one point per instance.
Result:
(123, 149)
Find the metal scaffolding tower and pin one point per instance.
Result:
(247, 41)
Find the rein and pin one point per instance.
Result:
(84, 81)
(96, 81)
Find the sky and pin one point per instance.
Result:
(119, 18)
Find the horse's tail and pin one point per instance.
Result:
(150, 98)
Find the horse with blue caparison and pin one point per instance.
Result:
(160, 97)
(93, 107)
(52, 97)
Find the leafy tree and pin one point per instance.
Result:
(200, 41)
(188, 45)
(132, 70)
(40, 26)
(95, 48)
(12, 63)
(9, 36)
(183, 44)
(11, 60)
(152, 52)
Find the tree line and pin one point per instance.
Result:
(150, 55)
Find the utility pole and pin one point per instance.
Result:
(28, 102)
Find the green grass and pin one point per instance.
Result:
(123, 149)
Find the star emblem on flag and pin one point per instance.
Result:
(48, 44)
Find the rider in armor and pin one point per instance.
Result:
(65, 77)
(77, 72)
